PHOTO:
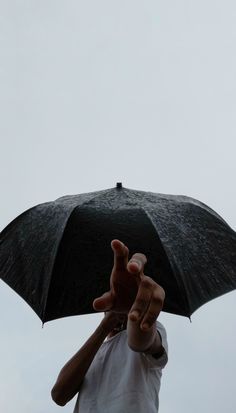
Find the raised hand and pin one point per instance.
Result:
(124, 280)
(131, 291)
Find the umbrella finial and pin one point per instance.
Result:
(119, 185)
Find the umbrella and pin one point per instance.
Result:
(57, 255)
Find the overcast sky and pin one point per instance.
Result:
(96, 92)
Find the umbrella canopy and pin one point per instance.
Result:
(57, 255)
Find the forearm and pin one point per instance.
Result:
(72, 374)
(148, 341)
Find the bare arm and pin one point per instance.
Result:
(72, 374)
(146, 342)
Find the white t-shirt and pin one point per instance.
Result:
(120, 380)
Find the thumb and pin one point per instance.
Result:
(103, 303)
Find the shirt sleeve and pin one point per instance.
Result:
(161, 361)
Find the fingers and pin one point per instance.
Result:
(148, 303)
(103, 303)
(154, 309)
(137, 263)
(121, 254)
(141, 302)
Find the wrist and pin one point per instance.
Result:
(112, 320)
(138, 339)
(105, 326)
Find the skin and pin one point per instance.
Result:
(133, 300)
(131, 292)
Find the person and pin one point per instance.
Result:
(119, 367)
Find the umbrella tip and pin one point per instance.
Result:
(119, 185)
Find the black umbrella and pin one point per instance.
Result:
(57, 255)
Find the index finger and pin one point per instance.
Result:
(121, 253)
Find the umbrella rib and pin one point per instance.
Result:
(171, 259)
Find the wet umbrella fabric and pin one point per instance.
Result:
(57, 255)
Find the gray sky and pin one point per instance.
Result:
(98, 92)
